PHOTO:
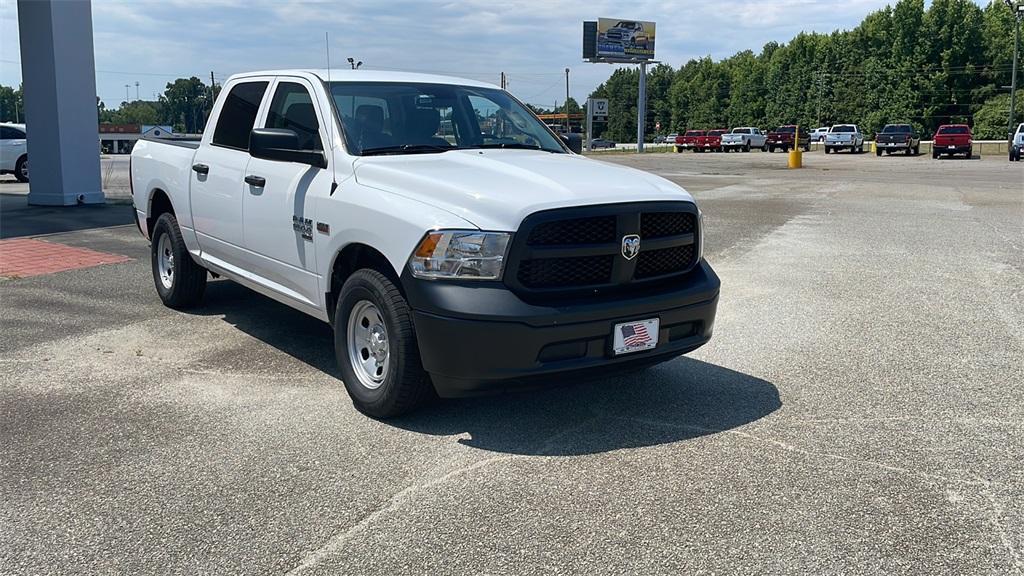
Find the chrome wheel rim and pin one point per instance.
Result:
(24, 169)
(165, 261)
(369, 349)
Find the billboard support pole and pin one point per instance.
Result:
(590, 122)
(641, 105)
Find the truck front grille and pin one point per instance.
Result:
(579, 250)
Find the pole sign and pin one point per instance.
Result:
(599, 107)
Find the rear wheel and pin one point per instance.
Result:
(878, 152)
(376, 347)
(771, 149)
(970, 153)
(828, 150)
(21, 169)
(180, 282)
(764, 148)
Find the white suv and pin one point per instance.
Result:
(13, 151)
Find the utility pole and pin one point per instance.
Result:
(566, 100)
(137, 90)
(502, 80)
(641, 108)
(1018, 13)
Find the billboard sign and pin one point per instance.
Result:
(625, 39)
(599, 107)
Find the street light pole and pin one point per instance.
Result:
(1018, 13)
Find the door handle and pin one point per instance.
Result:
(257, 181)
(200, 168)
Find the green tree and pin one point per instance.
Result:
(12, 105)
(185, 103)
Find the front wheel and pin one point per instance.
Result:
(180, 282)
(21, 169)
(376, 347)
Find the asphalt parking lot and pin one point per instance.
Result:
(860, 410)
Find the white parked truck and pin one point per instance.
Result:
(453, 242)
(744, 138)
(844, 137)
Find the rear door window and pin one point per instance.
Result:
(238, 115)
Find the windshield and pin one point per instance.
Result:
(411, 118)
(842, 129)
(953, 130)
(895, 129)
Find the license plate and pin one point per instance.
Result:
(707, 145)
(636, 336)
(952, 147)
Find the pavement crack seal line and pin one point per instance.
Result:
(993, 517)
(338, 541)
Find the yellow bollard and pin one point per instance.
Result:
(874, 147)
(796, 158)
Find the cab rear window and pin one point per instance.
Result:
(954, 130)
(238, 115)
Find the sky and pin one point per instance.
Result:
(152, 42)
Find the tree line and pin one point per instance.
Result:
(904, 63)
(184, 105)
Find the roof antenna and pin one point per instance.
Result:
(330, 109)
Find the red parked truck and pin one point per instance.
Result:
(713, 141)
(953, 139)
(690, 139)
(783, 137)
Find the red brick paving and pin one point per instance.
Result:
(22, 257)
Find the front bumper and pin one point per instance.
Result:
(478, 338)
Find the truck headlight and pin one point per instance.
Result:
(460, 254)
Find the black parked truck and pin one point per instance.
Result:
(897, 137)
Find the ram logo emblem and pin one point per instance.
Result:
(630, 246)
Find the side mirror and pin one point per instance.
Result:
(282, 145)
(573, 141)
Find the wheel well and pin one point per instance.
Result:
(159, 203)
(351, 258)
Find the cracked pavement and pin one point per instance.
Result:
(860, 410)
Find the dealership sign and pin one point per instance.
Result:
(599, 107)
(627, 40)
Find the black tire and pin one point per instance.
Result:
(764, 148)
(878, 152)
(771, 149)
(807, 147)
(935, 155)
(970, 153)
(187, 282)
(405, 386)
(746, 147)
(828, 150)
(21, 168)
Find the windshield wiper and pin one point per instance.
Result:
(406, 149)
(514, 145)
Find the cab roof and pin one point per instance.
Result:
(349, 75)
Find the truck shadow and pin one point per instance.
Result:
(672, 402)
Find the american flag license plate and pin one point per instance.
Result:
(635, 336)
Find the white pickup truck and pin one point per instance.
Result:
(453, 242)
(744, 138)
(843, 137)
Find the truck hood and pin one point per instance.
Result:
(497, 189)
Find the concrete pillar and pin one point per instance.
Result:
(59, 75)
